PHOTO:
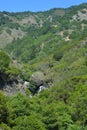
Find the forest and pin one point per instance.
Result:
(43, 69)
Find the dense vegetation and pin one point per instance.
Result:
(52, 54)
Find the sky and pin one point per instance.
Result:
(36, 5)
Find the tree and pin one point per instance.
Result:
(28, 123)
(4, 61)
(3, 109)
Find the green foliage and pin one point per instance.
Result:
(58, 55)
(4, 20)
(8, 31)
(63, 105)
(56, 116)
(74, 127)
(7, 71)
(27, 71)
(14, 25)
(4, 127)
(31, 123)
(3, 109)
(13, 72)
(4, 61)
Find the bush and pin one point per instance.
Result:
(8, 31)
(58, 55)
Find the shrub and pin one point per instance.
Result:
(58, 55)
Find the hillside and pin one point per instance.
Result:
(15, 26)
(43, 69)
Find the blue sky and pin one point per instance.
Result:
(36, 5)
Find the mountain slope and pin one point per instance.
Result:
(51, 59)
(15, 26)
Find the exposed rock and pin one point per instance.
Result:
(41, 88)
(80, 15)
(26, 84)
(37, 78)
(12, 89)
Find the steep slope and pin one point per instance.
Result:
(51, 37)
(52, 59)
(15, 26)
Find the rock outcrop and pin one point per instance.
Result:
(13, 87)
(37, 78)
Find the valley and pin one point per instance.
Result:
(43, 69)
